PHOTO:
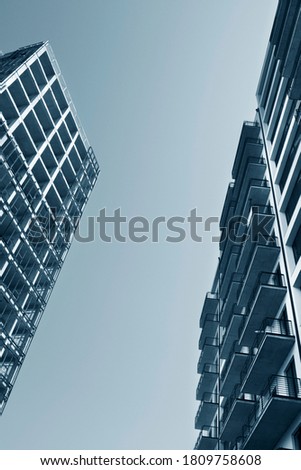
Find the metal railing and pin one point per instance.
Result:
(263, 279)
(209, 432)
(279, 386)
(266, 279)
(236, 395)
(277, 327)
(236, 349)
(208, 343)
(209, 318)
(223, 262)
(236, 311)
(255, 240)
(207, 398)
(207, 369)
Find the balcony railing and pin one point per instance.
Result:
(207, 439)
(231, 299)
(236, 348)
(229, 206)
(236, 394)
(208, 352)
(258, 241)
(235, 413)
(209, 307)
(210, 325)
(266, 296)
(272, 344)
(207, 409)
(209, 375)
(209, 342)
(231, 330)
(230, 375)
(278, 326)
(255, 194)
(249, 135)
(227, 266)
(277, 408)
(267, 279)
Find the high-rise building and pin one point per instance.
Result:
(250, 361)
(47, 172)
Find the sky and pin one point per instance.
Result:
(162, 88)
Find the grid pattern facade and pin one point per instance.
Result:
(47, 172)
(250, 363)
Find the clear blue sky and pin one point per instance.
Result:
(162, 88)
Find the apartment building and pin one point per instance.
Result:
(47, 172)
(250, 351)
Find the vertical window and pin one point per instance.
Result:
(297, 245)
(291, 379)
(293, 200)
(297, 438)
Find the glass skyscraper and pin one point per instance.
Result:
(47, 172)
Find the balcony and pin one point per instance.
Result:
(229, 206)
(255, 168)
(230, 375)
(231, 299)
(208, 438)
(272, 345)
(210, 306)
(208, 352)
(227, 266)
(207, 410)
(232, 331)
(209, 328)
(281, 398)
(248, 144)
(259, 248)
(267, 297)
(209, 376)
(257, 194)
(236, 412)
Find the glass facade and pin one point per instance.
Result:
(47, 172)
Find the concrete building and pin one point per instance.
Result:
(250, 362)
(47, 172)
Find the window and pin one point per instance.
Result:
(290, 159)
(291, 379)
(297, 245)
(293, 200)
(297, 438)
(284, 133)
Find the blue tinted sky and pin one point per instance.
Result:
(162, 88)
